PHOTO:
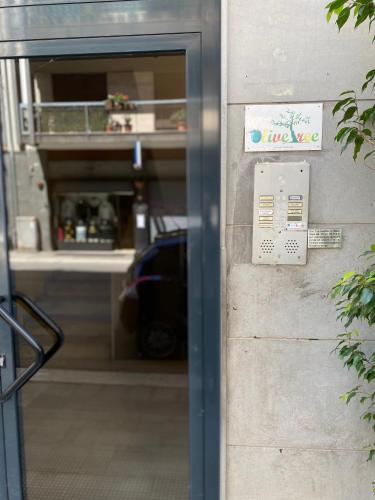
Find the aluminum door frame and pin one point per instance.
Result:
(204, 260)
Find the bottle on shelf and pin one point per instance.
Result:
(69, 234)
(81, 232)
(106, 231)
(60, 233)
(92, 232)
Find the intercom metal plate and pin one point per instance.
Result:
(281, 198)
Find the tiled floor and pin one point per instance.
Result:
(105, 442)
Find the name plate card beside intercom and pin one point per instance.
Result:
(324, 238)
(281, 198)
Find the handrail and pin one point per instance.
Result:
(88, 126)
(77, 104)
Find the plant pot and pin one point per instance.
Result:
(130, 106)
(109, 105)
(119, 106)
(181, 126)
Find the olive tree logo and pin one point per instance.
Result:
(291, 119)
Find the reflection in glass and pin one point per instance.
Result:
(107, 418)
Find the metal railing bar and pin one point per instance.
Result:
(164, 131)
(74, 104)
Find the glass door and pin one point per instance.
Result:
(94, 318)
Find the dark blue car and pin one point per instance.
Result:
(155, 298)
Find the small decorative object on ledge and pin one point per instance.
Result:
(119, 102)
(124, 116)
(128, 127)
(121, 113)
(178, 118)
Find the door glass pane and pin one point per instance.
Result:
(98, 232)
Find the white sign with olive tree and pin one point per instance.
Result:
(283, 127)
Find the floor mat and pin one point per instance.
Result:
(105, 442)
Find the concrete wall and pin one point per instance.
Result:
(160, 78)
(27, 192)
(288, 436)
(136, 84)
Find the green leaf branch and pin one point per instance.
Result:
(358, 124)
(360, 10)
(354, 296)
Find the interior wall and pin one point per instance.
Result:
(145, 78)
(137, 85)
(288, 436)
(31, 192)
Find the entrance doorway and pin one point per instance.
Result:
(107, 416)
(111, 249)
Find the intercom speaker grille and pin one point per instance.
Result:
(267, 246)
(291, 246)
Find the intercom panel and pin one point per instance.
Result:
(281, 199)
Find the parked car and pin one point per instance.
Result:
(154, 301)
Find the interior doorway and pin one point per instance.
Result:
(102, 243)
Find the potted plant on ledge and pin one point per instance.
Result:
(119, 102)
(178, 118)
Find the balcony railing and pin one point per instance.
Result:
(96, 117)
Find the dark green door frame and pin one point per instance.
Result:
(203, 248)
(10, 443)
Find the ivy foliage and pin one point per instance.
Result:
(357, 124)
(354, 295)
